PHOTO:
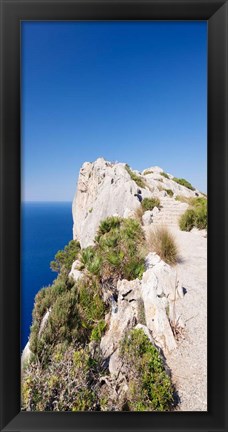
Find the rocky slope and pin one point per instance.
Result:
(105, 189)
(118, 299)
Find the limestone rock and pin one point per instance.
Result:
(124, 316)
(151, 260)
(129, 213)
(26, 355)
(155, 211)
(161, 288)
(104, 189)
(44, 322)
(147, 218)
(75, 273)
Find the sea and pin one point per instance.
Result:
(46, 227)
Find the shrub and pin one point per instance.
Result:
(107, 224)
(68, 383)
(150, 203)
(187, 220)
(98, 331)
(63, 325)
(75, 313)
(137, 179)
(44, 300)
(164, 174)
(65, 258)
(183, 182)
(200, 205)
(196, 216)
(169, 192)
(90, 261)
(91, 306)
(150, 388)
(148, 172)
(183, 199)
(163, 243)
(120, 251)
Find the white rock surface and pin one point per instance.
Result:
(124, 315)
(106, 188)
(75, 273)
(103, 189)
(147, 217)
(155, 304)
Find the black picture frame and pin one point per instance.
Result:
(216, 14)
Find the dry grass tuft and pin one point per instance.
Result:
(161, 241)
(139, 214)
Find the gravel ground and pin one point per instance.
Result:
(188, 362)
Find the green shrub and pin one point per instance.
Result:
(183, 199)
(137, 179)
(63, 325)
(163, 243)
(196, 216)
(91, 306)
(98, 331)
(169, 192)
(148, 172)
(183, 182)
(187, 220)
(44, 300)
(164, 174)
(150, 203)
(120, 250)
(107, 224)
(73, 316)
(90, 260)
(200, 206)
(65, 258)
(68, 383)
(150, 388)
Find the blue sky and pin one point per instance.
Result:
(132, 92)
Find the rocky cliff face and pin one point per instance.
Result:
(112, 312)
(106, 189)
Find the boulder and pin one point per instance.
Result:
(123, 317)
(75, 273)
(155, 304)
(147, 218)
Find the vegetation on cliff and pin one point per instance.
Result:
(64, 372)
(195, 216)
(183, 182)
(136, 178)
(150, 388)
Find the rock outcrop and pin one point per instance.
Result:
(150, 303)
(105, 189)
(95, 283)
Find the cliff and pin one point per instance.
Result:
(106, 332)
(106, 188)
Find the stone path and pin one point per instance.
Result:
(188, 362)
(170, 212)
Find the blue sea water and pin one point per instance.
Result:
(46, 228)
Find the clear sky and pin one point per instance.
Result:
(132, 92)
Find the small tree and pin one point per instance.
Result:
(65, 258)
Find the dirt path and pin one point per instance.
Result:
(188, 362)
